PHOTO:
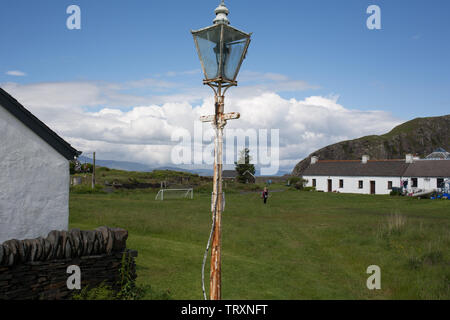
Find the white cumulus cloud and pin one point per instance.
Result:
(87, 115)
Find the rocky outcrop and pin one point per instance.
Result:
(420, 136)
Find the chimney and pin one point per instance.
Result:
(409, 158)
(365, 158)
(314, 159)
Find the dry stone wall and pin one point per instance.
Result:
(37, 268)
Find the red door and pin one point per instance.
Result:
(372, 187)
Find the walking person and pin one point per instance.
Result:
(265, 194)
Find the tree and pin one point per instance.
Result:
(243, 165)
(87, 168)
(77, 167)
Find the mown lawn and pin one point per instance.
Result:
(301, 245)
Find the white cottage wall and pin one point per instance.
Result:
(34, 183)
(423, 183)
(351, 184)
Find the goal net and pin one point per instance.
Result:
(167, 194)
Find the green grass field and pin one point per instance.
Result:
(301, 245)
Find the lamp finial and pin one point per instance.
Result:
(221, 14)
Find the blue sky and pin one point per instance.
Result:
(402, 69)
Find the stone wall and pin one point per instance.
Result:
(37, 268)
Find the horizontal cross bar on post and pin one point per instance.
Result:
(207, 118)
(225, 116)
(231, 115)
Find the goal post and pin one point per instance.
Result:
(175, 194)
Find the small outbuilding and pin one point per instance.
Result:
(249, 177)
(34, 174)
(232, 175)
(229, 175)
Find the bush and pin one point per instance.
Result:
(101, 292)
(294, 180)
(309, 189)
(396, 192)
(299, 186)
(127, 288)
(298, 183)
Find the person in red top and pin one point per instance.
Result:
(265, 194)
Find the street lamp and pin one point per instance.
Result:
(221, 49)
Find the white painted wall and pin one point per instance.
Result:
(423, 183)
(34, 183)
(351, 184)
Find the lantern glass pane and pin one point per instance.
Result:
(235, 43)
(208, 42)
(221, 62)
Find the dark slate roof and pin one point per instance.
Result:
(373, 168)
(428, 168)
(229, 174)
(37, 126)
(248, 172)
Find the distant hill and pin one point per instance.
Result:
(135, 166)
(200, 172)
(120, 165)
(420, 136)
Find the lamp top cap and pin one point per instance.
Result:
(221, 14)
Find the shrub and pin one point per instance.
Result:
(294, 180)
(101, 292)
(127, 288)
(396, 191)
(299, 186)
(297, 182)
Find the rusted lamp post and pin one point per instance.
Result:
(221, 49)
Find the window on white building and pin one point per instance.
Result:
(341, 183)
(414, 182)
(314, 183)
(389, 185)
(360, 184)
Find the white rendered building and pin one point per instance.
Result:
(34, 174)
(376, 176)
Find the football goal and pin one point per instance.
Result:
(166, 194)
